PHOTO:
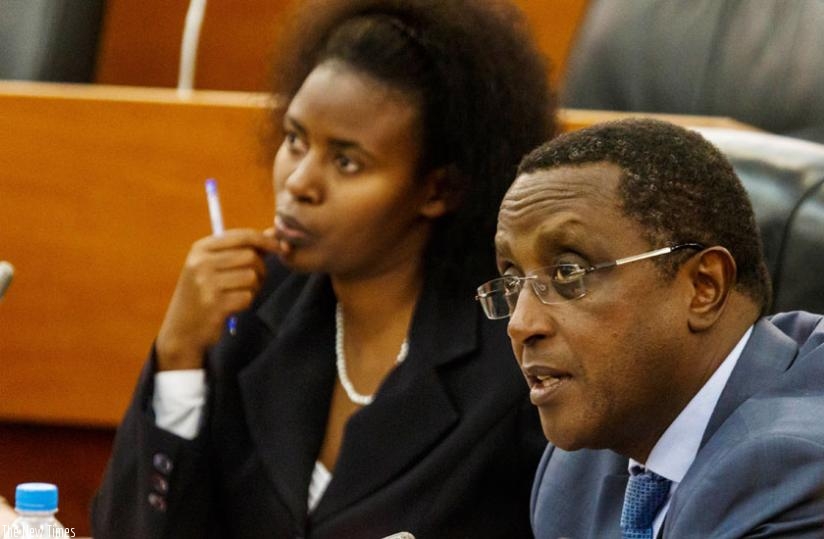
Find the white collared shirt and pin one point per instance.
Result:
(178, 400)
(673, 453)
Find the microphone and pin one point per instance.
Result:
(6, 273)
(188, 47)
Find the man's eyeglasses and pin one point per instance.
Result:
(553, 284)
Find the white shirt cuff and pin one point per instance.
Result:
(178, 400)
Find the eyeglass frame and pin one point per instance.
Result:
(579, 276)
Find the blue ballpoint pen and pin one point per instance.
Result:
(216, 217)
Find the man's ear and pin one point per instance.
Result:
(442, 189)
(712, 275)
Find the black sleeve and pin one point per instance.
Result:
(156, 483)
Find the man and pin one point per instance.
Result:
(634, 282)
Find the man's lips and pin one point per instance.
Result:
(544, 382)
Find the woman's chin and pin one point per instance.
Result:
(299, 262)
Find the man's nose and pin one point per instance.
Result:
(530, 319)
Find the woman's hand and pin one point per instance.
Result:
(221, 275)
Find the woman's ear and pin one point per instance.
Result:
(712, 275)
(442, 190)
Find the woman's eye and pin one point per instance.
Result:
(347, 165)
(293, 142)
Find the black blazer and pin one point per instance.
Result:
(448, 448)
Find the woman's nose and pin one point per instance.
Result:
(304, 182)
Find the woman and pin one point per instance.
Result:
(363, 392)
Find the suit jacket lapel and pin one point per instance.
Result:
(412, 406)
(767, 355)
(580, 494)
(287, 419)
(762, 365)
(610, 502)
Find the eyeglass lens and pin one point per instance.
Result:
(555, 284)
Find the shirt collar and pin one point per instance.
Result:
(676, 449)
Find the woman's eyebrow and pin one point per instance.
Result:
(337, 144)
(345, 144)
(292, 123)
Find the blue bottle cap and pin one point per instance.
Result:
(35, 497)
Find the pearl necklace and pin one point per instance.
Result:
(340, 362)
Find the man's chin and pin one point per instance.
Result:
(562, 438)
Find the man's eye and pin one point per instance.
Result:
(565, 273)
(511, 283)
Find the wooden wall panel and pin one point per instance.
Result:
(101, 195)
(140, 42)
(555, 24)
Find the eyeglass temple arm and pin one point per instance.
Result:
(644, 256)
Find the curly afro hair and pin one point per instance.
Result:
(483, 90)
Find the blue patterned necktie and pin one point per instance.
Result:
(645, 494)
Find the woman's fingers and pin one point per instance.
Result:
(241, 237)
(221, 276)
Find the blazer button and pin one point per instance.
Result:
(159, 484)
(162, 463)
(157, 502)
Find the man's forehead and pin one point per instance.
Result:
(570, 207)
(548, 189)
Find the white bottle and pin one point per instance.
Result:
(35, 505)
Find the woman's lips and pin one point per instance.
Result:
(544, 383)
(291, 230)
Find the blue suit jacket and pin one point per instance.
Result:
(759, 471)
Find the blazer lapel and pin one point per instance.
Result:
(288, 420)
(765, 358)
(412, 408)
(610, 502)
(580, 494)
